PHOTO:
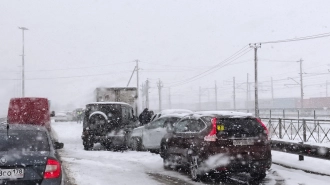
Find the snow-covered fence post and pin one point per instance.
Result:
(304, 130)
(280, 128)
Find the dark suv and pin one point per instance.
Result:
(218, 143)
(108, 123)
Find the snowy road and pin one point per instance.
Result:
(105, 167)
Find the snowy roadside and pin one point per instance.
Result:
(311, 164)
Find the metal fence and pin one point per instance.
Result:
(301, 130)
(3, 120)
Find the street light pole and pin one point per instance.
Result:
(23, 85)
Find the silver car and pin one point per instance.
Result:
(148, 137)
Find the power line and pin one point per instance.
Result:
(63, 77)
(222, 64)
(299, 38)
(63, 69)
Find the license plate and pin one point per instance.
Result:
(243, 142)
(11, 173)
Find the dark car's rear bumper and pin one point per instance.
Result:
(246, 166)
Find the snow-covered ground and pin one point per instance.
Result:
(106, 167)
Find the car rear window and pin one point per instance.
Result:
(23, 140)
(240, 127)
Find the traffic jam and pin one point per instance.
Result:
(206, 143)
(166, 92)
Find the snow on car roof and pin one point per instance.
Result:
(171, 111)
(225, 113)
(179, 115)
(103, 103)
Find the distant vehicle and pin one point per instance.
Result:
(117, 94)
(63, 116)
(108, 123)
(218, 143)
(170, 111)
(76, 113)
(27, 156)
(29, 110)
(148, 137)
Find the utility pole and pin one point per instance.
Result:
(169, 98)
(143, 94)
(200, 96)
(234, 93)
(301, 86)
(216, 95)
(147, 93)
(137, 86)
(326, 88)
(256, 100)
(23, 78)
(247, 91)
(160, 85)
(272, 89)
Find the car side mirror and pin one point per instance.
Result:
(52, 114)
(58, 145)
(170, 129)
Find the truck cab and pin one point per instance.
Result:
(108, 123)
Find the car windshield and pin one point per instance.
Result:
(23, 141)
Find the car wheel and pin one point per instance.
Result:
(220, 177)
(88, 146)
(166, 164)
(194, 169)
(258, 175)
(136, 144)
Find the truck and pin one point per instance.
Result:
(117, 94)
(29, 110)
(111, 118)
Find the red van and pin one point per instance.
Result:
(29, 110)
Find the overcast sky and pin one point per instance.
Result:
(74, 46)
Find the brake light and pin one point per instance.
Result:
(53, 169)
(212, 135)
(264, 126)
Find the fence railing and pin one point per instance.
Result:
(301, 130)
(3, 120)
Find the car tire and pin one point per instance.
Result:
(166, 164)
(221, 177)
(258, 175)
(194, 169)
(88, 146)
(136, 144)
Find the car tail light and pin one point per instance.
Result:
(264, 126)
(53, 169)
(212, 136)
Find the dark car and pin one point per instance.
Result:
(148, 137)
(218, 143)
(108, 123)
(27, 156)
